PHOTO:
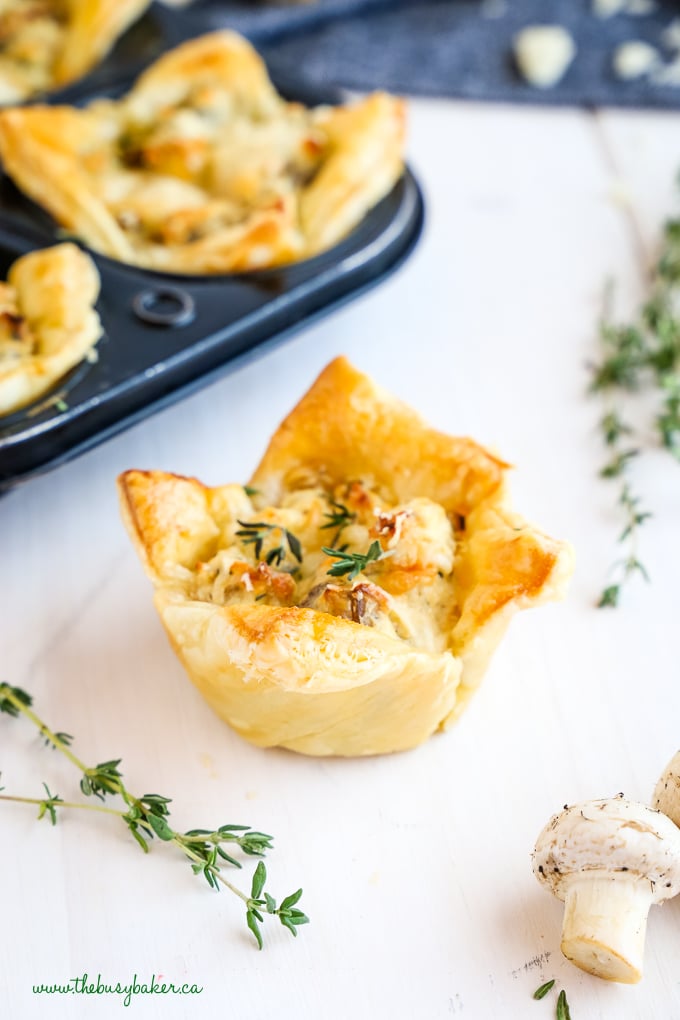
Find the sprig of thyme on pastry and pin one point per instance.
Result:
(255, 532)
(339, 518)
(642, 357)
(147, 816)
(351, 563)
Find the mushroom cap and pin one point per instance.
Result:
(666, 795)
(615, 837)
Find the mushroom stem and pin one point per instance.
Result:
(604, 926)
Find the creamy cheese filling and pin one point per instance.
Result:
(391, 567)
(175, 176)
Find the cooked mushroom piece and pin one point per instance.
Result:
(609, 860)
(667, 791)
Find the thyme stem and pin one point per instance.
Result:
(38, 801)
(10, 694)
(146, 817)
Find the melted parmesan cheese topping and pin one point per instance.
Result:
(407, 593)
(31, 38)
(203, 163)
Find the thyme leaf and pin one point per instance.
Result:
(339, 518)
(351, 563)
(543, 990)
(255, 532)
(562, 1012)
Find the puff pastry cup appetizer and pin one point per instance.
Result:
(48, 322)
(45, 44)
(203, 167)
(286, 643)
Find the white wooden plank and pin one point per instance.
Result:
(415, 867)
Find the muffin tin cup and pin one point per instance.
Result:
(167, 334)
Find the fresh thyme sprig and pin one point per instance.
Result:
(351, 563)
(255, 532)
(630, 564)
(147, 816)
(339, 518)
(642, 356)
(615, 433)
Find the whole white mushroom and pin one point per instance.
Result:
(609, 860)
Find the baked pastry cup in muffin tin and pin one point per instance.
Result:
(46, 45)
(48, 323)
(348, 600)
(167, 333)
(202, 167)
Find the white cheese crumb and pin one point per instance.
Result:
(634, 60)
(669, 74)
(608, 8)
(640, 7)
(543, 54)
(671, 35)
(619, 194)
(493, 8)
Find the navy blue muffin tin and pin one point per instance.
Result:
(166, 335)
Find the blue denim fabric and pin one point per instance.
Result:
(446, 47)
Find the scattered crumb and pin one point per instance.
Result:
(208, 764)
(619, 194)
(608, 8)
(635, 60)
(543, 54)
(374, 878)
(494, 8)
(252, 795)
(92, 356)
(640, 7)
(668, 74)
(57, 400)
(535, 963)
(671, 35)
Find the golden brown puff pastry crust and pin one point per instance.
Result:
(292, 655)
(45, 44)
(48, 322)
(203, 167)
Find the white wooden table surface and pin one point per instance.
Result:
(415, 867)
